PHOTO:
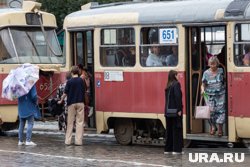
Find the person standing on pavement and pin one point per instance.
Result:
(74, 90)
(173, 100)
(62, 118)
(27, 106)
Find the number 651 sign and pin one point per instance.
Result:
(168, 35)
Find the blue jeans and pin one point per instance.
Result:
(22, 122)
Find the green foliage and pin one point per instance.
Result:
(61, 8)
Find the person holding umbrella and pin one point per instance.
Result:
(27, 105)
(20, 84)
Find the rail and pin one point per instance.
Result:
(43, 101)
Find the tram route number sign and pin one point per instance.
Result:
(113, 76)
(168, 35)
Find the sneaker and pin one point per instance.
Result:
(167, 153)
(178, 153)
(20, 143)
(30, 143)
(90, 111)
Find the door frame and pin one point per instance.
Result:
(194, 126)
(86, 47)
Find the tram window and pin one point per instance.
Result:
(242, 45)
(157, 52)
(6, 52)
(210, 42)
(117, 47)
(80, 49)
(33, 48)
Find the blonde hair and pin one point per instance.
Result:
(213, 59)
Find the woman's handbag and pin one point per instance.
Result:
(171, 113)
(202, 112)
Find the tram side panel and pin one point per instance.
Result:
(8, 109)
(239, 106)
(139, 94)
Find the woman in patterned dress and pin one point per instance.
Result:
(213, 85)
(62, 118)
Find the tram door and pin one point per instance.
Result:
(203, 42)
(83, 53)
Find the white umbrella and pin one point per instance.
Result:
(20, 81)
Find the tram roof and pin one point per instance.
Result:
(17, 17)
(188, 11)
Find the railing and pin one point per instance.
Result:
(44, 100)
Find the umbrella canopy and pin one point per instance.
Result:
(20, 81)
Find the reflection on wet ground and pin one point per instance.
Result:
(98, 151)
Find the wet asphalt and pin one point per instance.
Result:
(100, 150)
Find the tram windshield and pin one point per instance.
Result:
(22, 45)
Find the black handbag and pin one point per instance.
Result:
(171, 113)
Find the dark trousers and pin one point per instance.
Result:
(174, 137)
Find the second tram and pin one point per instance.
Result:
(114, 42)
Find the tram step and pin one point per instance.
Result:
(207, 137)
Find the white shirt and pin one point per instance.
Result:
(153, 60)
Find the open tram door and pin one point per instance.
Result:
(201, 41)
(83, 53)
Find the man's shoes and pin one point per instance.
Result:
(20, 143)
(30, 143)
(90, 111)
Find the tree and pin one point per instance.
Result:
(61, 8)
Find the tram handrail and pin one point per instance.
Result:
(43, 100)
(46, 97)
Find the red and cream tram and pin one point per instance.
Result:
(114, 41)
(27, 35)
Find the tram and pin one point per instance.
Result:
(27, 35)
(114, 41)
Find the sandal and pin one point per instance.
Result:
(213, 130)
(220, 133)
